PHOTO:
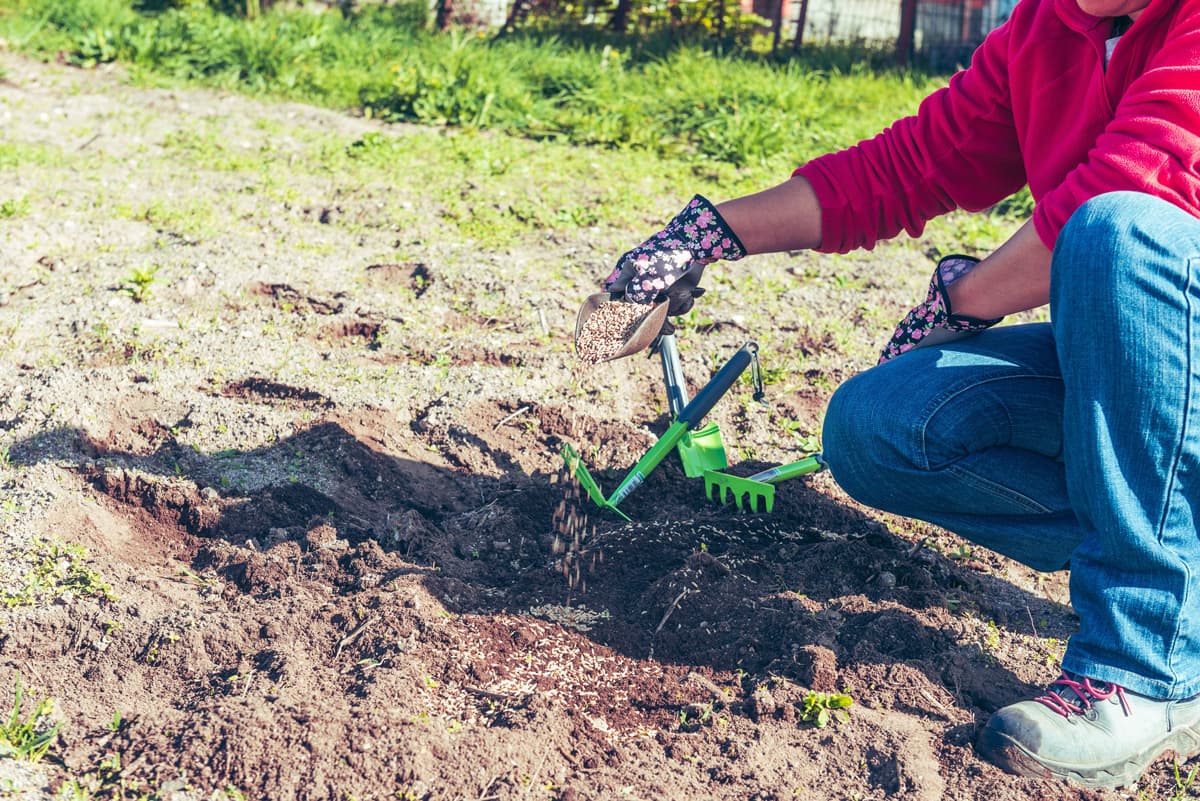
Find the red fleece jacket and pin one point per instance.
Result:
(1036, 106)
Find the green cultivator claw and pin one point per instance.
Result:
(700, 448)
(722, 487)
(689, 417)
(580, 471)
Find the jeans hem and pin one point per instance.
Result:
(1158, 690)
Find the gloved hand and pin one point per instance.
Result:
(669, 264)
(933, 321)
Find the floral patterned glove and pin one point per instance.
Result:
(697, 237)
(933, 321)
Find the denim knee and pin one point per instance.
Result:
(1103, 245)
(1112, 211)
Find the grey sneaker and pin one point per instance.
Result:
(1090, 733)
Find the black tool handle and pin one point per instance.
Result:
(718, 385)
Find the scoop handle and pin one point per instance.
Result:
(677, 394)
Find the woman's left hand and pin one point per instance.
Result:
(933, 321)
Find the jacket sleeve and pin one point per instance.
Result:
(1152, 143)
(960, 150)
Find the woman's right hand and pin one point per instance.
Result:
(668, 266)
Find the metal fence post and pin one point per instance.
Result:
(908, 24)
(801, 18)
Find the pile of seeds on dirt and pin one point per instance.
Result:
(607, 329)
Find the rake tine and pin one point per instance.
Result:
(760, 485)
(744, 492)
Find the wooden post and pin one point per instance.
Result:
(445, 12)
(801, 17)
(777, 24)
(620, 18)
(908, 26)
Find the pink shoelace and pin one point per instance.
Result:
(1085, 691)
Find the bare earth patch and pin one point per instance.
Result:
(318, 467)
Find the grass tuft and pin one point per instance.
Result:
(59, 570)
(29, 737)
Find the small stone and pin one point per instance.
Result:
(321, 536)
(763, 704)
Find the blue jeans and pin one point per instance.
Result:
(1074, 443)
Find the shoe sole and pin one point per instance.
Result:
(1015, 758)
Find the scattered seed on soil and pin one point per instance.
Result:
(607, 329)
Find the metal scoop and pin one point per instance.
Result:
(641, 337)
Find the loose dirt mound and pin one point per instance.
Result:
(342, 557)
(387, 630)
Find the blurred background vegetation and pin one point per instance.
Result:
(696, 82)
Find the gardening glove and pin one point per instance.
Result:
(933, 321)
(668, 265)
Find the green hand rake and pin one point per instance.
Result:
(758, 487)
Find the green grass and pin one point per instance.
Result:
(14, 207)
(27, 737)
(674, 100)
(14, 155)
(660, 119)
(57, 570)
(187, 217)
